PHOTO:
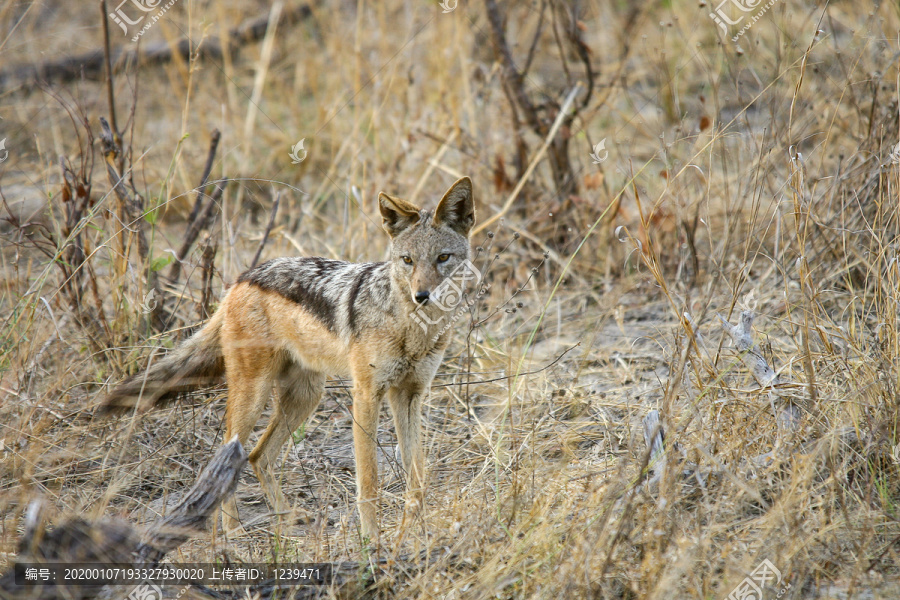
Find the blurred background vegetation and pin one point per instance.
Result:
(636, 173)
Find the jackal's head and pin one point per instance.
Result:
(428, 248)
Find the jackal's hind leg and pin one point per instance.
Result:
(250, 371)
(298, 395)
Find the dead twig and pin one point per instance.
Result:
(262, 242)
(203, 220)
(538, 116)
(110, 88)
(116, 542)
(742, 337)
(193, 227)
(131, 215)
(788, 414)
(654, 437)
(560, 119)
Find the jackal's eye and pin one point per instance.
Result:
(406, 259)
(443, 258)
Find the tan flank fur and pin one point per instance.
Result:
(291, 322)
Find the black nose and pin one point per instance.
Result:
(422, 297)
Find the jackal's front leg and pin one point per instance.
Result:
(366, 406)
(406, 406)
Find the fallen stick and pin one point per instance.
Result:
(742, 337)
(116, 542)
(654, 438)
(92, 65)
(788, 414)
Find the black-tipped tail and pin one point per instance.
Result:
(195, 363)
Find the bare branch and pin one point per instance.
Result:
(193, 225)
(117, 542)
(265, 237)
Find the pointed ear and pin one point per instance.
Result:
(396, 214)
(457, 207)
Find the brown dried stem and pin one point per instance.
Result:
(131, 216)
(193, 225)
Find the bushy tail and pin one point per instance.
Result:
(196, 362)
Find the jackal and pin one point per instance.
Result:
(292, 321)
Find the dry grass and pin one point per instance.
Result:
(754, 178)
